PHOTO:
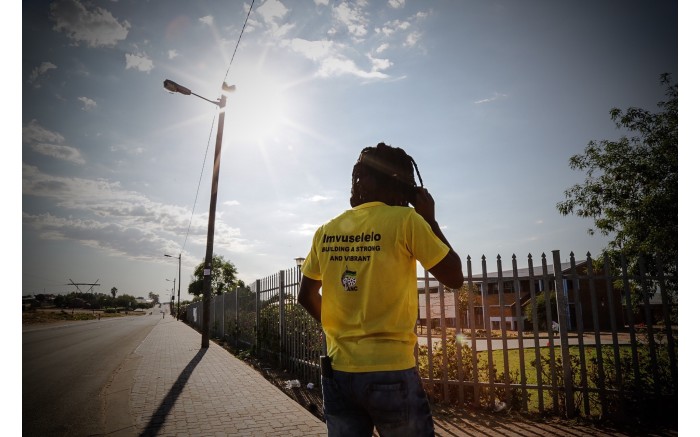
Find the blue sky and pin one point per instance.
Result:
(490, 98)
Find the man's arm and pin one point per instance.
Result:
(309, 297)
(449, 269)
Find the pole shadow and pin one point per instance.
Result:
(158, 418)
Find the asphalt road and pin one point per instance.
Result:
(65, 368)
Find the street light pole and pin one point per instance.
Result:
(179, 283)
(176, 88)
(210, 233)
(172, 295)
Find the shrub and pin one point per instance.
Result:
(448, 358)
(638, 400)
(442, 358)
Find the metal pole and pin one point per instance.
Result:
(210, 233)
(179, 283)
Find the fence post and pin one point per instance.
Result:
(256, 327)
(281, 315)
(562, 312)
(235, 315)
(487, 327)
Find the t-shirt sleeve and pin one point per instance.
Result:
(312, 267)
(424, 244)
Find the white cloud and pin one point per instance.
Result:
(421, 15)
(321, 2)
(207, 20)
(33, 132)
(88, 103)
(140, 62)
(134, 151)
(339, 54)
(172, 54)
(412, 39)
(380, 64)
(86, 23)
(318, 198)
(353, 18)
(272, 10)
(496, 96)
(232, 203)
(100, 213)
(396, 4)
(314, 50)
(340, 66)
(49, 143)
(40, 71)
(65, 153)
(332, 62)
(390, 27)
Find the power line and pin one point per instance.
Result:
(239, 40)
(206, 152)
(199, 184)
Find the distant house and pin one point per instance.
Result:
(143, 300)
(37, 300)
(487, 303)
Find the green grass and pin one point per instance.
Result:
(531, 372)
(50, 316)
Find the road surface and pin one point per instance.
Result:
(66, 366)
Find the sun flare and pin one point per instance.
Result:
(260, 107)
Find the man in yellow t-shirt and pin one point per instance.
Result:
(365, 260)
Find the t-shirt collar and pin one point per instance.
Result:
(369, 205)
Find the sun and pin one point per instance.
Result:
(260, 108)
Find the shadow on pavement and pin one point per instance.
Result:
(158, 418)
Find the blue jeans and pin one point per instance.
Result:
(394, 402)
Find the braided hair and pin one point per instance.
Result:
(381, 173)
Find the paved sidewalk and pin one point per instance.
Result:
(170, 386)
(176, 388)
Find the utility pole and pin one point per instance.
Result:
(179, 283)
(221, 103)
(212, 218)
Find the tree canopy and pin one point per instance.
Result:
(631, 186)
(223, 277)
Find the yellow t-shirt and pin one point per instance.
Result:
(366, 260)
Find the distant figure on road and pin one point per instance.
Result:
(163, 312)
(555, 327)
(365, 258)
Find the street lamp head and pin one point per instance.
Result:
(228, 88)
(175, 87)
(299, 261)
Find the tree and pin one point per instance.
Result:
(114, 292)
(465, 294)
(223, 277)
(631, 187)
(154, 297)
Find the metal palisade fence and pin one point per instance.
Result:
(571, 338)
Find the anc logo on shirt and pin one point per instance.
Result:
(349, 280)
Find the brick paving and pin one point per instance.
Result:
(179, 389)
(169, 386)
